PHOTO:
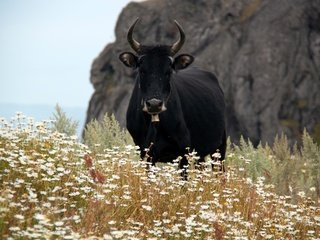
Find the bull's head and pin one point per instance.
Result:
(155, 65)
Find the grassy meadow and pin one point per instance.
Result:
(52, 186)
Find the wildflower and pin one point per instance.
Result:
(23, 160)
(56, 188)
(248, 180)
(59, 223)
(146, 207)
(51, 198)
(216, 195)
(130, 147)
(116, 177)
(157, 223)
(68, 184)
(165, 214)
(60, 169)
(204, 207)
(107, 237)
(175, 228)
(166, 221)
(46, 205)
(312, 189)
(301, 194)
(117, 234)
(127, 197)
(208, 215)
(76, 218)
(40, 217)
(311, 232)
(14, 229)
(216, 155)
(19, 217)
(60, 211)
(72, 194)
(74, 137)
(52, 152)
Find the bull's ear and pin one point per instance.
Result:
(182, 61)
(128, 59)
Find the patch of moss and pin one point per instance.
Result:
(302, 103)
(249, 10)
(290, 123)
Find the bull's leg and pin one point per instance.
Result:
(223, 146)
(183, 165)
(150, 163)
(199, 163)
(218, 163)
(222, 150)
(147, 153)
(147, 156)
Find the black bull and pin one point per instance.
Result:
(173, 109)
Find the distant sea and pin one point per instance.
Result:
(43, 112)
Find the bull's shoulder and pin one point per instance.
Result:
(195, 75)
(197, 88)
(197, 81)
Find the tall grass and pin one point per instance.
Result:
(290, 170)
(54, 187)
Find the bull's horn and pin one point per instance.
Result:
(135, 45)
(178, 45)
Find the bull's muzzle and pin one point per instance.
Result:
(154, 106)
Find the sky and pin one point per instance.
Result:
(47, 47)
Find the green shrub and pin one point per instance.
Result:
(106, 134)
(251, 162)
(63, 124)
(291, 171)
(310, 154)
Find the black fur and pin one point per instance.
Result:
(195, 105)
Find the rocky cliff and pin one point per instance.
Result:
(265, 53)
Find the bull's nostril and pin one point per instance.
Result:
(154, 104)
(160, 104)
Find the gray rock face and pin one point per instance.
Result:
(266, 55)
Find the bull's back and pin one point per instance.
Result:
(203, 107)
